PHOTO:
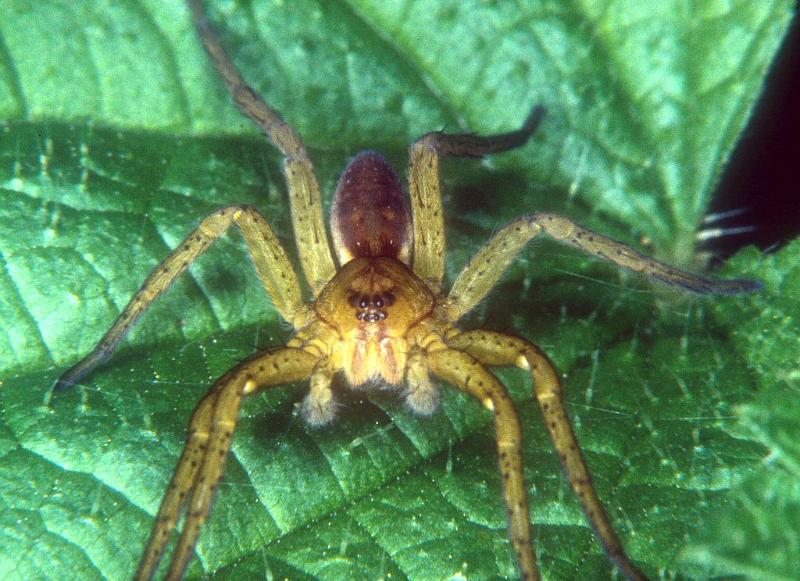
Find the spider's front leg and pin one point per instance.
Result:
(272, 265)
(466, 373)
(498, 349)
(201, 464)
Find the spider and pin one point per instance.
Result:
(377, 313)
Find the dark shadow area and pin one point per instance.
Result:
(759, 187)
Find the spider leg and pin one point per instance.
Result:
(304, 193)
(466, 372)
(491, 348)
(270, 260)
(319, 406)
(203, 459)
(488, 265)
(421, 395)
(424, 186)
(180, 486)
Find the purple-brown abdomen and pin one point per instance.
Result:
(370, 215)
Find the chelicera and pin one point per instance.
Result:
(377, 313)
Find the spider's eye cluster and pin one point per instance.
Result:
(369, 308)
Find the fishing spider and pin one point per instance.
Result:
(377, 313)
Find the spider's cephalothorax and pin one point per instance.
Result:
(372, 303)
(381, 314)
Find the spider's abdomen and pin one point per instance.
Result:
(370, 215)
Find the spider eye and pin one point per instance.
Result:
(363, 302)
(377, 301)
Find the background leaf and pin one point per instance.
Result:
(119, 138)
(765, 539)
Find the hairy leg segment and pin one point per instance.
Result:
(425, 190)
(203, 460)
(271, 262)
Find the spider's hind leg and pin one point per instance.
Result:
(472, 145)
(304, 192)
(425, 191)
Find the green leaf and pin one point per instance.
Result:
(119, 138)
(764, 513)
